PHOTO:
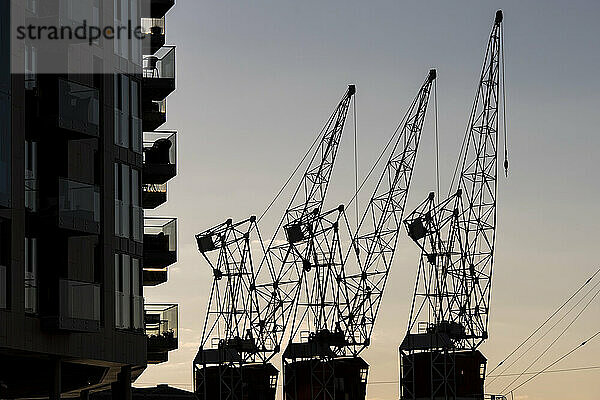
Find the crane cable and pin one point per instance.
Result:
(552, 344)
(437, 139)
(355, 162)
(504, 103)
(557, 361)
(542, 325)
(322, 133)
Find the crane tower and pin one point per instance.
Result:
(451, 303)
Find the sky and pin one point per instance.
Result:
(256, 81)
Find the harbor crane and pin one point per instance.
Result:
(341, 290)
(255, 286)
(451, 303)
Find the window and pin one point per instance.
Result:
(30, 66)
(128, 212)
(5, 236)
(128, 289)
(31, 305)
(31, 176)
(128, 121)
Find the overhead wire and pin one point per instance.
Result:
(557, 361)
(563, 305)
(553, 342)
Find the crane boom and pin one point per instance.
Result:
(457, 235)
(286, 261)
(362, 286)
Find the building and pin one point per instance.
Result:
(81, 157)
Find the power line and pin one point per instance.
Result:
(543, 324)
(557, 361)
(553, 342)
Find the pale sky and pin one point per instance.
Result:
(256, 81)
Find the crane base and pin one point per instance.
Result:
(230, 381)
(333, 378)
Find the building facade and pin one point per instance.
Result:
(81, 157)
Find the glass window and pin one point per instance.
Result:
(117, 201)
(31, 275)
(126, 202)
(31, 176)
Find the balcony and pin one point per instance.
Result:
(156, 8)
(78, 206)
(153, 30)
(78, 108)
(161, 330)
(160, 157)
(153, 195)
(154, 277)
(160, 242)
(78, 307)
(159, 74)
(154, 114)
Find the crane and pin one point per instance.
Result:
(341, 290)
(254, 289)
(451, 302)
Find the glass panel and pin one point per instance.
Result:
(126, 192)
(30, 275)
(31, 181)
(162, 227)
(80, 200)
(78, 107)
(162, 323)
(160, 147)
(81, 300)
(126, 270)
(161, 64)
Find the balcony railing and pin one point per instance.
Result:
(153, 30)
(78, 108)
(78, 206)
(153, 195)
(161, 321)
(159, 74)
(79, 306)
(156, 8)
(154, 114)
(154, 276)
(160, 242)
(160, 156)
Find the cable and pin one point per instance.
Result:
(545, 322)
(504, 104)
(355, 161)
(553, 342)
(591, 367)
(557, 361)
(437, 141)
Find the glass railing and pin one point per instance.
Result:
(78, 200)
(160, 147)
(78, 107)
(155, 188)
(79, 300)
(153, 26)
(161, 64)
(160, 234)
(161, 324)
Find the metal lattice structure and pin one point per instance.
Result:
(363, 285)
(251, 303)
(341, 289)
(306, 230)
(450, 308)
